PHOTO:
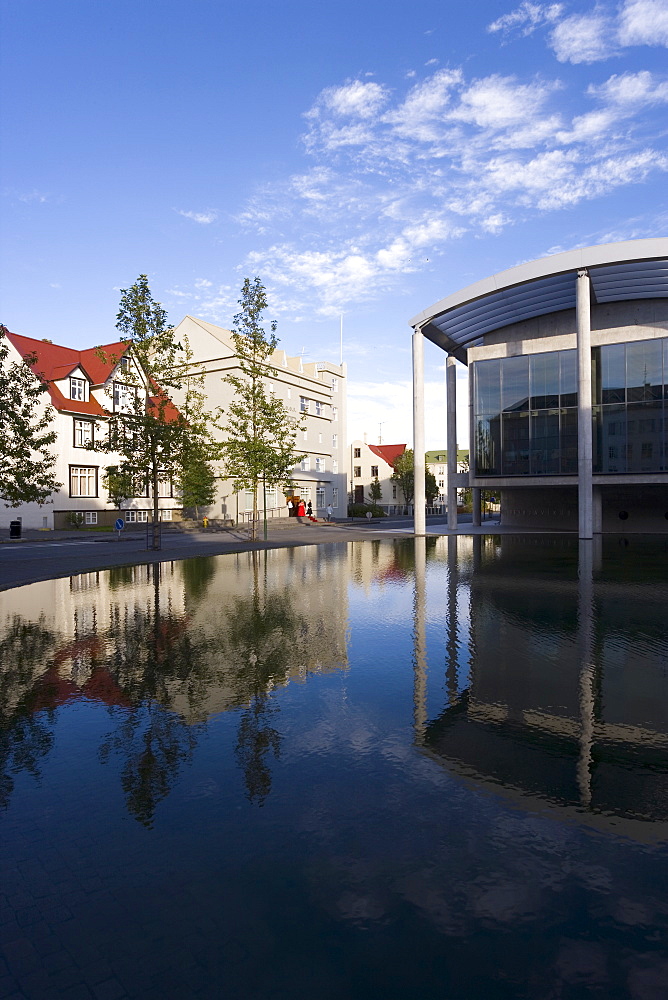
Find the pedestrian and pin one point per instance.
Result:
(309, 509)
(329, 512)
(301, 509)
(291, 508)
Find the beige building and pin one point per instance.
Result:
(82, 388)
(368, 462)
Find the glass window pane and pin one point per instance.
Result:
(644, 438)
(515, 456)
(545, 442)
(568, 428)
(544, 376)
(644, 377)
(568, 378)
(609, 439)
(488, 446)
(612, 374)
(515, 384)
(487, 387)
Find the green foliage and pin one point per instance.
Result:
(151, 436)
(196, 480)
(74, 519)
(120, 485)
(375, 491)
(403, 475)
(26, 434)
(430, 486)
(361, 510)
(260, 433)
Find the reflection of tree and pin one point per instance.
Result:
(24, 738)
(197, 575)
(261, 639)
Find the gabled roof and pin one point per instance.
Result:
(441, 455)
(54, 362)
(388, 452)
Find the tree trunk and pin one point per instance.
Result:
(155, 478)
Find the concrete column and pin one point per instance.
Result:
(476, 494)
(419, 500)
(451, 398)
(583, 320)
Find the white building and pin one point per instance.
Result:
(82, 388)
(368, 462)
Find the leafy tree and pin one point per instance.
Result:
(144, 428)
(26, 463)
(260, 433)
(196, 480)
(375, 491)
(403, 475)
(119, 485)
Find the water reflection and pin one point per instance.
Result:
(566, 702)
(163, 648)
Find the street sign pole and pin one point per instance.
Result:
(120, 524)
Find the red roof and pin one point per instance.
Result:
(388, 452)
(54, 362)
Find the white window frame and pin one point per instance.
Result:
(319, 407)
(319, 497)
(335, 467)
(304, 404)
(320, 464)
(335, 496)
(83, 476)
(135, 516)
(305, 464)
(335, 384)
(78, 388)
(90, 516)
(335, 440)
(357, 472)
(166, 515)
(124, 397)
(79, 431)
(335, 413)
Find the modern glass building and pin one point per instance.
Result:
(568, 363)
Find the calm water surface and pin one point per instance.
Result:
(379, 769)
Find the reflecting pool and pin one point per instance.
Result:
(383, 769)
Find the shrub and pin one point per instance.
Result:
(75, 519)
(361, 509)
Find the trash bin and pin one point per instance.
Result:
(14, 529)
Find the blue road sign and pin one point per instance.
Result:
(120, 524)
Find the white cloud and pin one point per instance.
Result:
(527, 17)
(631, 89)
(203, 218)
(355, 99)
(644, 22)
(499, 102)
(203, 283)
(583, 38)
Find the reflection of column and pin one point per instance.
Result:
(597, 510)
(477, 552)
(585, 651)
(419, 499)
(452, 647)
(451, 395)
(583, 320)
(476, 496)
(420, 639)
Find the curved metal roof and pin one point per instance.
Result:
(635, 269)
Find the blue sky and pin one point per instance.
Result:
(362, 158)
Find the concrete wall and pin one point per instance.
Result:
(556, 508)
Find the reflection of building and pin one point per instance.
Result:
(568, 375)
(565, 699)
(437, 463)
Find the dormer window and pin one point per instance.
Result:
(124, 398)
(78, 389)
(125, 364)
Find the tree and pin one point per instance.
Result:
(196, 480)
(260, 433)
(26, 435)
(151, 436)
(375, 491)
(403, 475)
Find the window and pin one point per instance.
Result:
(90, 516)
(335, 440)
(303, 404)
(335, 384)
(441, 483)
(165, 515)
(83, 481)
(305, 465)
(335, 467)
(374, 470)
(305, 435)
(83, 433)
(320, 496)
(357, 472)
(394, 492)
(249, 499)
(319, 438)
(289, 393)
(441, 470)
(305, 493)
(124, 397)
(335, 497)
(357, 453)
(125, 364)
(335, 413)
(318, 408)
(319, 464)
(164, 485)
(78, 389)
(132, 516)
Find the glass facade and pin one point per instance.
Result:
(526, 415)
(525, 411)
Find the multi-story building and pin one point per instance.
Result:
(369, 462)
(568, 380)
(83, 387)
(437, 463)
